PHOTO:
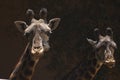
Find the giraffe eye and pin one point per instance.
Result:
(48, 33)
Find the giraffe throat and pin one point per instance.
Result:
(85, 71)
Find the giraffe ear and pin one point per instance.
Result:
(21, 25)
(92, 42)
(53, 23)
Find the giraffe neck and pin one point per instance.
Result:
(93, 67)
(85, 71)
(25, 67)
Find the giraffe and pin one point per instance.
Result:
(37, 34)
(103, 53)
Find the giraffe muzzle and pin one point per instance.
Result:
(110, 63)
(37, 50)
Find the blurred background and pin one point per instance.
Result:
(68, 42)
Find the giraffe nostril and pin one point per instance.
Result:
(38, 47)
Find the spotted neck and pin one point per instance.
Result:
(25, 68)
(85, 71)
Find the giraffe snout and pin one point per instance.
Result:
(110, 62)
(37, 49)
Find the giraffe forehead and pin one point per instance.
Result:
(41, 21)
(41, 25)
(106, 38)
(37, 21)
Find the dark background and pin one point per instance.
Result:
(68, 42)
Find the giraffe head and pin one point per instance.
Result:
(104, 47)
(38, 31)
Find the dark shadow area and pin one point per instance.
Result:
(69, 46)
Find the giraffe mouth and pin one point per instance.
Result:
(110, 63)
(37, 50)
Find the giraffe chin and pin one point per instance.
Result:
(37, 51)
